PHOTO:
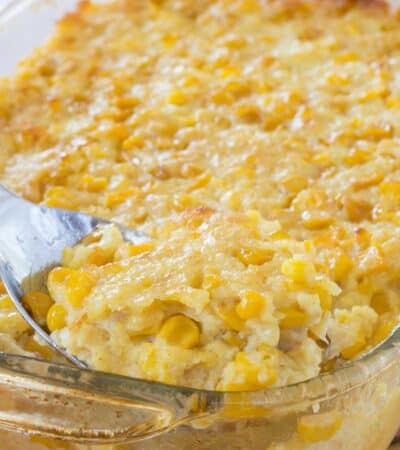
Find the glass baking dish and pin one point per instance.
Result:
(354, 407)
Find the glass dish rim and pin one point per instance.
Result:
(324, 385)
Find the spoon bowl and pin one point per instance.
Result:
(32, 241)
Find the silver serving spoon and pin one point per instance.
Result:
(32, 240)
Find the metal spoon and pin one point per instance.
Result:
(32, 240)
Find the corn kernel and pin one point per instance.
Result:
(316, 220)
(295, 183)
(249, 375)
(297, 270)
(393, 102)
(222, 97)
(377, 132)
(56, 317)
(99, 257)
(340, 266)
(60, 197)
(227, 312)
(180, 331)
(2, 288)
(38, 304)
(354, 349)
(59, 275)
(255, 256)
(382, 331)
(380, 303)
(229, 71)
(248, 113)
(133, 141)
(357, 156)
(370, 180)
(127, 102)
(129, 250)
(293, 317)
(319, 427)
(31, 345)
(251, 305)
(346, 57)
(211, 281)
(93, 184)
(177, 98)
(79, 285)
(6, 302)
(117, 198)
(336, 79)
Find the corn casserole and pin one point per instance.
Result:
(257, 143)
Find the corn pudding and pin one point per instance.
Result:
(257, 143)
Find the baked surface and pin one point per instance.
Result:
(257, 142)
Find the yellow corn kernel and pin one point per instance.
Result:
(238, 88)
(31, 345)
(297, 270)
(368, 181)
(227, 312)
(211, 281)
(200, 182)
(115, 116)
(346, 57)
(294, 184)
(6, 302)
(357, 156)
(353, 350)
(382, 331)
(169, 39)
(251, 305)
(293, 317)
(38, 304)
(249, 375)
(2, 288)
(319, 427)
(127, 102)
(229, 71)
(119, 197)
(316, 220)
(129, 250)
(373, 94)
(56, 317)
(59, 275)
(133, 141)
(60, 197)
(390, 188)
(222, 97)
(190, 81)
(248, 113)
(340, 266)
(377, 132)
(79, 285)
(380, 303)
(323, 159)
(280, 235)
(93, 184)
(177, 98)
(232, 338)
(117, 132)
(393, 102)
(99, 257)
(180, 331)
(325, 298)
(234, 43)
(255, 256)
(336, 79)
